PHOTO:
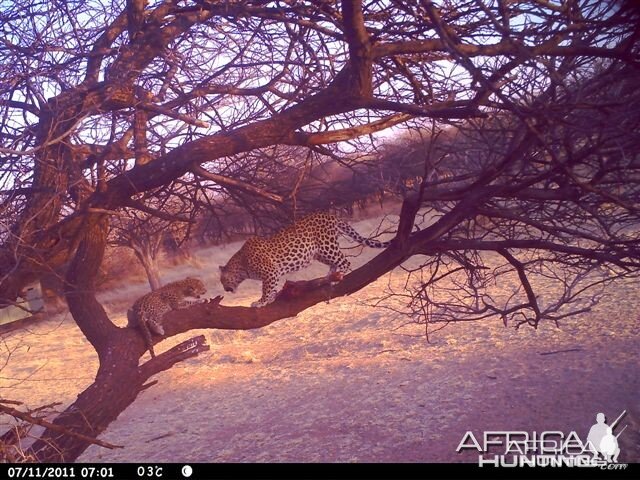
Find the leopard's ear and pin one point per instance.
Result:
(221, 268)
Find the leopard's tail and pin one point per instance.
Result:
(146, 333)
(133, 321)
(346, 229)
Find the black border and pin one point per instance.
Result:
(328, 471)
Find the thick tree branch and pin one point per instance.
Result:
(359, 48)
(506, 48)
(460, 109)
(343, 134)
(164, 361)
(237, 184)
(101, 45)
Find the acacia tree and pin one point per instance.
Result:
(102, 102)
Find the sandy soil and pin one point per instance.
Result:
(343, 382)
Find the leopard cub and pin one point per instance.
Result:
(147, 312)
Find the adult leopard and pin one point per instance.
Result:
(291, 249)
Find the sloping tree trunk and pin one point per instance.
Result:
(150, 265)
(146, 251)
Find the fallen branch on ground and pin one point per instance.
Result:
(43, 423)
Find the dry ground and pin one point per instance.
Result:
(342, 382)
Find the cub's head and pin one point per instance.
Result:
(192, 287)
(231, 275)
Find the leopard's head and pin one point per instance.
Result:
(232, 274)
(193, 287)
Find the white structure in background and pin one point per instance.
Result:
(32, 303)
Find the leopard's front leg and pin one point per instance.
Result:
(269, 291)
(187, 303)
